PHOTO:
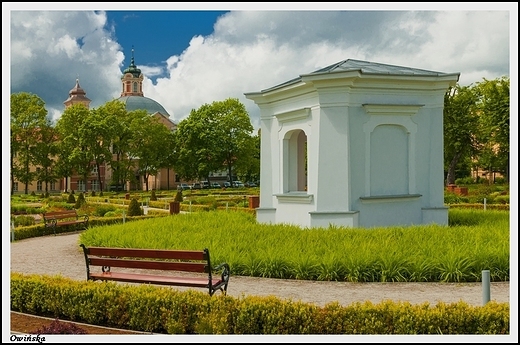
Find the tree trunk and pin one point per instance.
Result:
(450, 177)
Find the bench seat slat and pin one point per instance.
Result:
(62, 216)
(148, 253)
(153, 279)
(149, 264)
(69, 213)
(68, 223)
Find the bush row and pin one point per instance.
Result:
(164, 310)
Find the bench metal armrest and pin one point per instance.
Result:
(224, 267)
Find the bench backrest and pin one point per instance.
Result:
(159, 259)
(60, 214)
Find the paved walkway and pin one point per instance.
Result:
(61, 255)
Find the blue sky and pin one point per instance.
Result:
(171, 31)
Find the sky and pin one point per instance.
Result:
(194, 56)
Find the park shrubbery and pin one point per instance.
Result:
(163, 310)
(474, 240)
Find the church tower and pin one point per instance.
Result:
(132, 80)
(77, 95)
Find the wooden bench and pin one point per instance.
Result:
(196, 261)
(65, 218)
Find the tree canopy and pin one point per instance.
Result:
(476, 128)
(213, 137)
(29, 125)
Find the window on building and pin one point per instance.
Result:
(53, 185)
(94, 170)
(94, 184)
(15, 187)
(39, 186)
(135, 87)
(81, 186)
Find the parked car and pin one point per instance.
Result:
(183, 186)
(215, 185)
(238, 184)
(205, 185)
(196, 185)
(227, 184)
(251, 184)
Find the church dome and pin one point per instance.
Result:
(140, 102)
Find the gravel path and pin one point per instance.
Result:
(61, 255)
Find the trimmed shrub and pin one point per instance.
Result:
(115, 213)
(71, 199)
(80, 201)
(134, 209)
(179, 197)
(101, 210)
(153, 197)
(24, 221)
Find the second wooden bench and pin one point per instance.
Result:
(196, 261)
(65, 218)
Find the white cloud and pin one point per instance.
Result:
(50, 49)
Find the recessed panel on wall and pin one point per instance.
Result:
(389, 160)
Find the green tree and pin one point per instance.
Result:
(120, 162)
(169, 155)
(28, 119)
(193, 144)
(460, 125)
(45, 152)
(63, 167)
(149, 138)
(98, 133)
(213, 137)
(73, 129)
(248, 168)
(124, 144)
(494, 109)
